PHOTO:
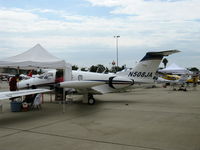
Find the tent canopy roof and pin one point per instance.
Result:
(36, 57)
(174, 68)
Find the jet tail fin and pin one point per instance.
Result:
(145, 70)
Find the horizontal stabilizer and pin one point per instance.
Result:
(158, 55)
(164, 53)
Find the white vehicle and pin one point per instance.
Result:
(88, 83)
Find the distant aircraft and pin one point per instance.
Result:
(88, 83)
(194, 79)
(174, 80)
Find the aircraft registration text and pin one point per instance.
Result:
(140, 74)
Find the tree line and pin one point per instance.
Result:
(100, 68)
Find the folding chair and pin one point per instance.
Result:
(37, 102)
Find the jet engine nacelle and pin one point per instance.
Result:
(118, 82)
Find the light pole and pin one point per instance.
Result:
(116, 37)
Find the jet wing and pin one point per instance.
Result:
(84, 86)
(102, 89)
(80, 84)
(12, 94)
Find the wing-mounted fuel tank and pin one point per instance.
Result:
(117, 82)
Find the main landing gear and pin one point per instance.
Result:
(91, 100)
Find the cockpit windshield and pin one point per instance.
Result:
(46, 76)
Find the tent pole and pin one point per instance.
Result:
(64, 98)
(18, 70)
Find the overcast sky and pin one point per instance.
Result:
(81, 31)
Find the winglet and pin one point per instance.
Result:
(158, 55)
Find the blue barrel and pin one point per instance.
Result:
(15, 106)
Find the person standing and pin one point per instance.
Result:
(30, 73)
(13, 83)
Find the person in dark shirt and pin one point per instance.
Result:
(13, 82)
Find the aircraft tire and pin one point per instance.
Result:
(91, 101)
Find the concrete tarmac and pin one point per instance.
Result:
(141, 119)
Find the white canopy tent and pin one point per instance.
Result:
(175, 69)
(36, 57)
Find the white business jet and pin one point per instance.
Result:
(88, 83)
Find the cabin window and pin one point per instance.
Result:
(80, 77)
(41, 76)
(48, 76)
